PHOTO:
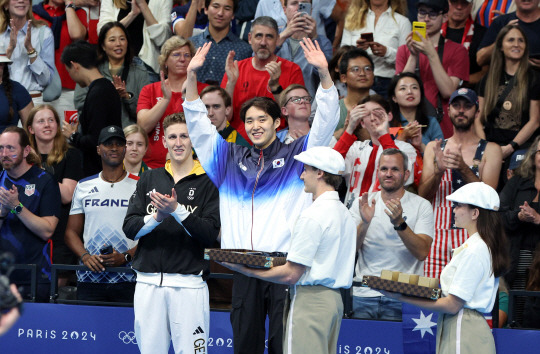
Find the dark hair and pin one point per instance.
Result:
(8, 89)
(235, 4)
(527, 168)
(334, 62)
(332, 180)
(353, 54)
(394, 151)
(80, 52)
(175, 118)
(24, 141)
(266, 21)
(328, 178)
(491, 230)
(102, 57)
(266, 104)
(380, 100)
(420, 115)
(224, 94)
(534, 271)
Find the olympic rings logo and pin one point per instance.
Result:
(127, 337)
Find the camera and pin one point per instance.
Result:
(7, 299)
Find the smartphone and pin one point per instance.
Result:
(368, 37)
(106, 250)
(305, 7)
(534, 55)
(419, 27)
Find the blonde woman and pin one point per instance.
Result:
(385, 20)
(29, 43)
(65, 164)
(159, 99)
(136, 146)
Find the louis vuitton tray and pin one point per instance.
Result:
(250, 258)
(377, 283)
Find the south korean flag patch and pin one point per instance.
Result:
(277, 163)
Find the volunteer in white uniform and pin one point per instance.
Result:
(470, 281)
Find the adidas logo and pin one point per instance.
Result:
(93, 190)
(198, 330)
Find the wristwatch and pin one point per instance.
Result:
(278, 90)
(17, 209)
(127, 257)
(401, 226)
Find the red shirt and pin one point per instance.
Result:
(65, 39)
(253, 83)
(455, 63)
(150, 95)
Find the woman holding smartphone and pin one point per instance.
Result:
(380, 27)
(470, 281)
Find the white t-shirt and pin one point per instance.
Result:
(324, 240)
(469, 275)
(383, 248)
(104, 206)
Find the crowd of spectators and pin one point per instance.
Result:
(460, 104)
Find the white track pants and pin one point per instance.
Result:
(165, 313)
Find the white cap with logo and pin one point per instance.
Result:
(478, 194)
(323, 158)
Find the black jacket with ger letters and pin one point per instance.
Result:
(168, 248)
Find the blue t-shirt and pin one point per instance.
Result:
(21, 98)
(40, 194)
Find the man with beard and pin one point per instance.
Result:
(30, 206)
(399, 240)
(99, 205)
(263, 75)
(449, 165)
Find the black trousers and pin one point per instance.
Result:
(113, 292)
(252, 300)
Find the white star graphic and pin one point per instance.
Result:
(424, 324)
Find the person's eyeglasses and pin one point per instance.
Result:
(298, 99)
(366, 69)
(466, 105)
(432, 14)
(178, 55)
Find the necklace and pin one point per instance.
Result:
(116, 180)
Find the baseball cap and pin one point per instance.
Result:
(324, 158)
(437, 5)
(478, 194)
(5, 59)
(112, 131)
(467, 94)
(517, 159)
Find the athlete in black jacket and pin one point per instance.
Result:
(174, 213)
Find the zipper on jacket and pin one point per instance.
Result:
(260, 162)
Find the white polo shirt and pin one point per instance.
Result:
(469, 275)
(324, 240)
